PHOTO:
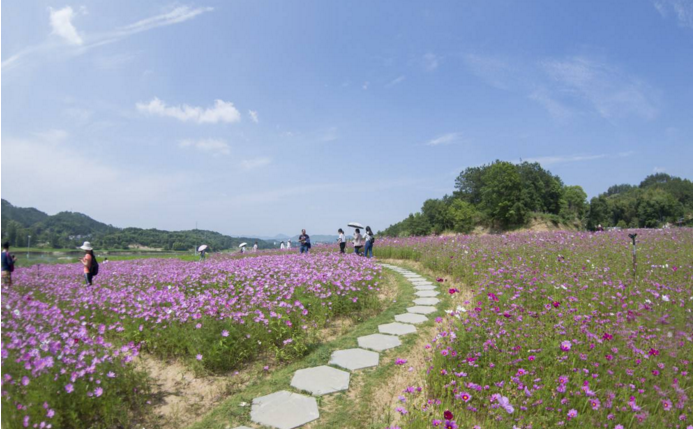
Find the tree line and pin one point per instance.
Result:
(68, 230)
(504, 195)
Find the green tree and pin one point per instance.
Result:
(576, 202)
(436, 213)
(657, 208)
(469, 184)
(463, 216)
(502, 194)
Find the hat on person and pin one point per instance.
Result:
(86, 246)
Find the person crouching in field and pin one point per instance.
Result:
(358, 242)
(369, 243)
(8, 260)
(341, 240)
(88, 262)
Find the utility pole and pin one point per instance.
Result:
(633, 251)
(28, 245)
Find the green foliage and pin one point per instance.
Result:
(463, 216)
(502, 194)
(70, 230)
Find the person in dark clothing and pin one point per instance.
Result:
(305, 241)
(368, 243)
(88, 261)
(8, 260)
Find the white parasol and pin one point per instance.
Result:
(243, 244)
(203, 247)
(355, 225)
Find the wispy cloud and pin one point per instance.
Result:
(73, 42)
(252, 164)
(562, 159)
(659, 170)
(398, 80)
(564, 86)
(682, 9)
(61, 23)
(610, 91)
(365, 86)
(254, 116)
(444, 139)
(222, 111)
(214, 146)
(430, 61)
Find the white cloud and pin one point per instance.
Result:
(658, 170)
(681, 8)
(215, 146)
(78, 44)
(55, 136)
(444, 139)
(561, 159)
(61, 23)
(610, 91)
(430, 62)
(398, 80)
(555, 108)
(222, 111)
(494, 71)
(254, 116)
(252, 164)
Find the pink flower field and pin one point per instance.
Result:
(68, 350)
(556, 331)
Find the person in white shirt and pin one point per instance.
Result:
(341, 240)
(281, 245)
(358, 242)
(289, 244)
(255, 247)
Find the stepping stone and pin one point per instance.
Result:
(284, 410)
(425, 288)
(414, 319)
(321, 380)
(397, 329)
(422, 283)
(427, 301)
(421, 309)
(379, 342)
(353, 359)
(413, 277)
(426, 293)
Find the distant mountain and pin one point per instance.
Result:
(23, 216)
(69, 230)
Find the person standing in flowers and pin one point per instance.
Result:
(289, 244)
(7, 264)
(305, 241)
(368, 243)
(341, 240)
(358, 242)
(88, 261)
(255, 247)
(281, 245)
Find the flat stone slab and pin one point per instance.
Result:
(425, 287)
(426, 293)
(397, 329)
(414, 319)
(379, 342)
(321, 380)
(419, 309)
(284, 410)
(427, 301)
(422, 282)
(353, 359)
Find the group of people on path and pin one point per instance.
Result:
(360, 241)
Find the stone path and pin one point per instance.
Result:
(287, 410)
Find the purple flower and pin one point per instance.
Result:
(565, 346)
(572, 413)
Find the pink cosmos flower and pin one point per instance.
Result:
(565, 346)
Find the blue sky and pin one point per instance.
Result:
(265, 117)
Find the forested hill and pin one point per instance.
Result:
(505, 196)
(70, 230)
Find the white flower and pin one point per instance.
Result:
(665, 298)
(461, 309)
